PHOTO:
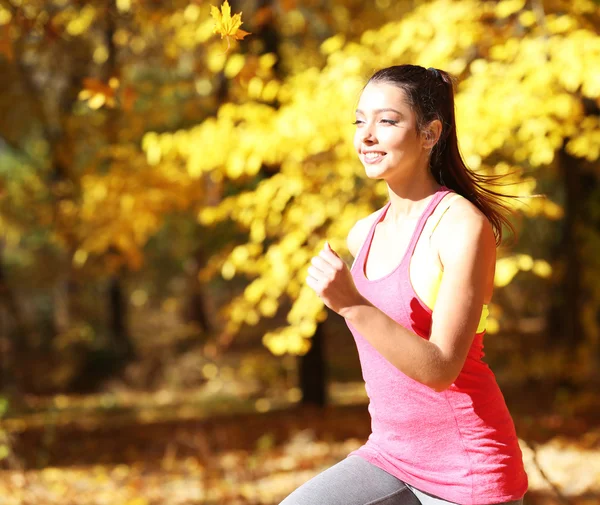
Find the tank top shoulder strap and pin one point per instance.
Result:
(446, 205)
(359, 259)
(441, 193)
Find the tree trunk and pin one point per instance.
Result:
(117, 295)
(198, 306)
(61, 304)
(312, 372)
(15, 334)
(118, 319)
(565, 316)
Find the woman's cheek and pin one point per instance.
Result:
(356, 143)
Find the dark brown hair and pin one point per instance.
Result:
(430, 94)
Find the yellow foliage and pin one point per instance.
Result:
(254, 291)
(268, 307)
(117, 211)
(517, 103)
(234, 65)
(542, 268)
(507, 268)
(252, 317)
(80, 257)
(587, 143)
(333, 44)
(5, 16)
(228, 270)
(124, 5)
(493, 326)
(79, 22)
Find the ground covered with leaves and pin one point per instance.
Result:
(251, 459)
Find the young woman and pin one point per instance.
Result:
(416, 301)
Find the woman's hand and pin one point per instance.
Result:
(331, 279)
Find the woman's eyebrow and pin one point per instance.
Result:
(377, 111)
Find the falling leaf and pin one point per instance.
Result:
(227, 25)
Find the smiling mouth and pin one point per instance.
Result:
(373, 157)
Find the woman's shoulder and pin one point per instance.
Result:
(461, 212)
(359, 231)
(464, 225)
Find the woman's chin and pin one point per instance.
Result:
(374, 172)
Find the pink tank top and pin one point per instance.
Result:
(459, 444)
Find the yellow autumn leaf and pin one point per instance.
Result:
(226, 24)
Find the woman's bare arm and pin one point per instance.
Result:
(468, 255)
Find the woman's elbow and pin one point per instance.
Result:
(440, 384)
(440, 388)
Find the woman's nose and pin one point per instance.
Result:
(367, 134)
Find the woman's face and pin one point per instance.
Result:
(386, 139)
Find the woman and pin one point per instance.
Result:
(441, 431)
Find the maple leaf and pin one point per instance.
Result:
(227, 25)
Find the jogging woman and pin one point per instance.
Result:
(416, 302)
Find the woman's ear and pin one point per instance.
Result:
(432, 133)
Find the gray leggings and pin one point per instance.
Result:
(354, 481)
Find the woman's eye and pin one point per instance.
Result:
(388, 121)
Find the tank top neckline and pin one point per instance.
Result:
(437, 197)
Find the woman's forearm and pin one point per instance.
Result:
(413, 355)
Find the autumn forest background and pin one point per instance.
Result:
(165, 179)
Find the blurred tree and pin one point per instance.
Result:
(89, 80)
(132, 110)
(517, 107)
